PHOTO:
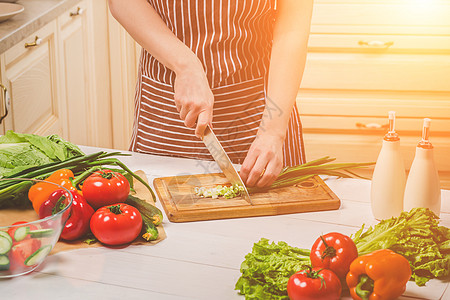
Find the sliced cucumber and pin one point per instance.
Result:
(38, 256)
(41, 233)
(21, 233)
(5, 243)
(6, 235)
(4, 263)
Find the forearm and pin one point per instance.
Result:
(192, 94)
(287, 63)
(144, 24)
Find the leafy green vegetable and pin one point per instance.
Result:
(266, 270)
(68, 149)
(19, 151)
(19, 156)
(417, 236)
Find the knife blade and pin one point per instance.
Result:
(224, 162)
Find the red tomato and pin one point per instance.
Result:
(334, 251)
(116, 224)
(314, 284)
(12, 230)
(20, 251)
(105, 188)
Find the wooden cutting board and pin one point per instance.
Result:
(181, 203)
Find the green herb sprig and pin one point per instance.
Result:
(294, 175)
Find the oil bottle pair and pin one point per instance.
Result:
(392, 191)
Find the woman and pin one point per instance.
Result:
(233, 64)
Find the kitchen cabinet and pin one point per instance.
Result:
(83, 57)
(4, 99)
(76, 79)
(124, 61)
(58, 78)
(368, 59)
(29, 72)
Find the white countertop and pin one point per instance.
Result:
(198, 260)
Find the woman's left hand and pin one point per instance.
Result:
(264, 160)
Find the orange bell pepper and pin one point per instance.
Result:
(40, 192)
(379, 275)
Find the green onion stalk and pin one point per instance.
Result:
(12, 191)
(294, 175)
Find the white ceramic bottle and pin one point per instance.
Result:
(423, 187)
(389, 177)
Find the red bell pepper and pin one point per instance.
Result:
(54, 203)
(80, 214)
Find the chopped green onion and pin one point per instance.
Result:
(227, 192)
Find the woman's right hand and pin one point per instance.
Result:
(193, 98)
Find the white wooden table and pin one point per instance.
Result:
(198, 260)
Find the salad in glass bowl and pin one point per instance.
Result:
(25, 244)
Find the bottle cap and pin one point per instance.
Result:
(391, 135)
(425, 143)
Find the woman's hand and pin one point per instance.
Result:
(194, 99)
(264, 160)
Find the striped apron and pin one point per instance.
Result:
(233, 41)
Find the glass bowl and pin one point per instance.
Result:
(23, 247)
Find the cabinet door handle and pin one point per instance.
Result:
(7, 101)
(37, 41)
(77, 13)
(372, 126)
(376, 44)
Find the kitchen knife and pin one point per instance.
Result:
(224, 162)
